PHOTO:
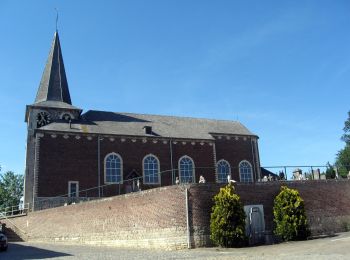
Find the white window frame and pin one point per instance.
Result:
(217, 170)
(143, 170)
(69, 189)
(251, 171)
(105, 168)
(193, 169)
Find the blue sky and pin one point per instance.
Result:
(282, 68)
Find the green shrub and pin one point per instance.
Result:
(289, 215)
(227, 221)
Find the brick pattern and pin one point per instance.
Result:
(29, 171)
(68, 158)
(326, 202)
(36, 165)
(235, 151)
(156, 218)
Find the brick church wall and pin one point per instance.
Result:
(68, 158)
(234, 151)
(156, 218)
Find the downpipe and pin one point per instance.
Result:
(188, 221)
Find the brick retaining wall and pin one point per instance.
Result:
(327, 204)
(153, 219)
(157, 218)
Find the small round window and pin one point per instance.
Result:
(66, 117)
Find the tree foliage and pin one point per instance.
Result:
(343, 156)
(227, 222)
(343, 161)
(346, 135)
(289, 215)
(11, 189)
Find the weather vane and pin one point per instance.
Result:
(56, 17)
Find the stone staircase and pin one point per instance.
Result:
(12, 235)
(8, 227)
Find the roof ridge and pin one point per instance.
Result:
(181, 117)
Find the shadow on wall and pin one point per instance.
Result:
(21, 251)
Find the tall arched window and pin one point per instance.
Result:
(151, 169)
(186, 170)
(113, 168)
(245, 171)
(223, 169)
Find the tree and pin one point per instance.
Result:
(289, 215)
(11, 189)
(346, 135)
(227, 221)
(343, 161)
(343, 156)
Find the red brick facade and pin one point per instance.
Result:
(63, 158)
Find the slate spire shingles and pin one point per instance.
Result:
(53, 85)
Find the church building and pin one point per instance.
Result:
(92, 154)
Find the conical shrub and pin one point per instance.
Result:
(227, 221)
(289, 215)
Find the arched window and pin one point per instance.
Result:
(113, 168)
(186, 170)
(245, 171)
(223, 169)
(151, 169)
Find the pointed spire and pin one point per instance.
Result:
(53, 85)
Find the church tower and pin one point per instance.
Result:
(52, 104)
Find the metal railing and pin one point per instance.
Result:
(310, 172)
(12, 211)
(134, 184)
(15, 228)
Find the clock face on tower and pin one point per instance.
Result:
(42, 118)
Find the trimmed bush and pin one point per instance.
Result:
(227, 221)
(289, 215)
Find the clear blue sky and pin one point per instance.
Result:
(282, 68)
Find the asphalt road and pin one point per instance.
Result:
(337, 247)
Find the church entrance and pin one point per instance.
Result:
(132, 182)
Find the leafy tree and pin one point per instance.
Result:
(227, 221)
(346, 135)
(289, 215)
(343, 156)
(11, 189)
(343, 161)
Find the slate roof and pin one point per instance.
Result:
(54, 104)
(128, 124)
(53, 85)
(265, 172)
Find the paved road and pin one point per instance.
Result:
(337, 247)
